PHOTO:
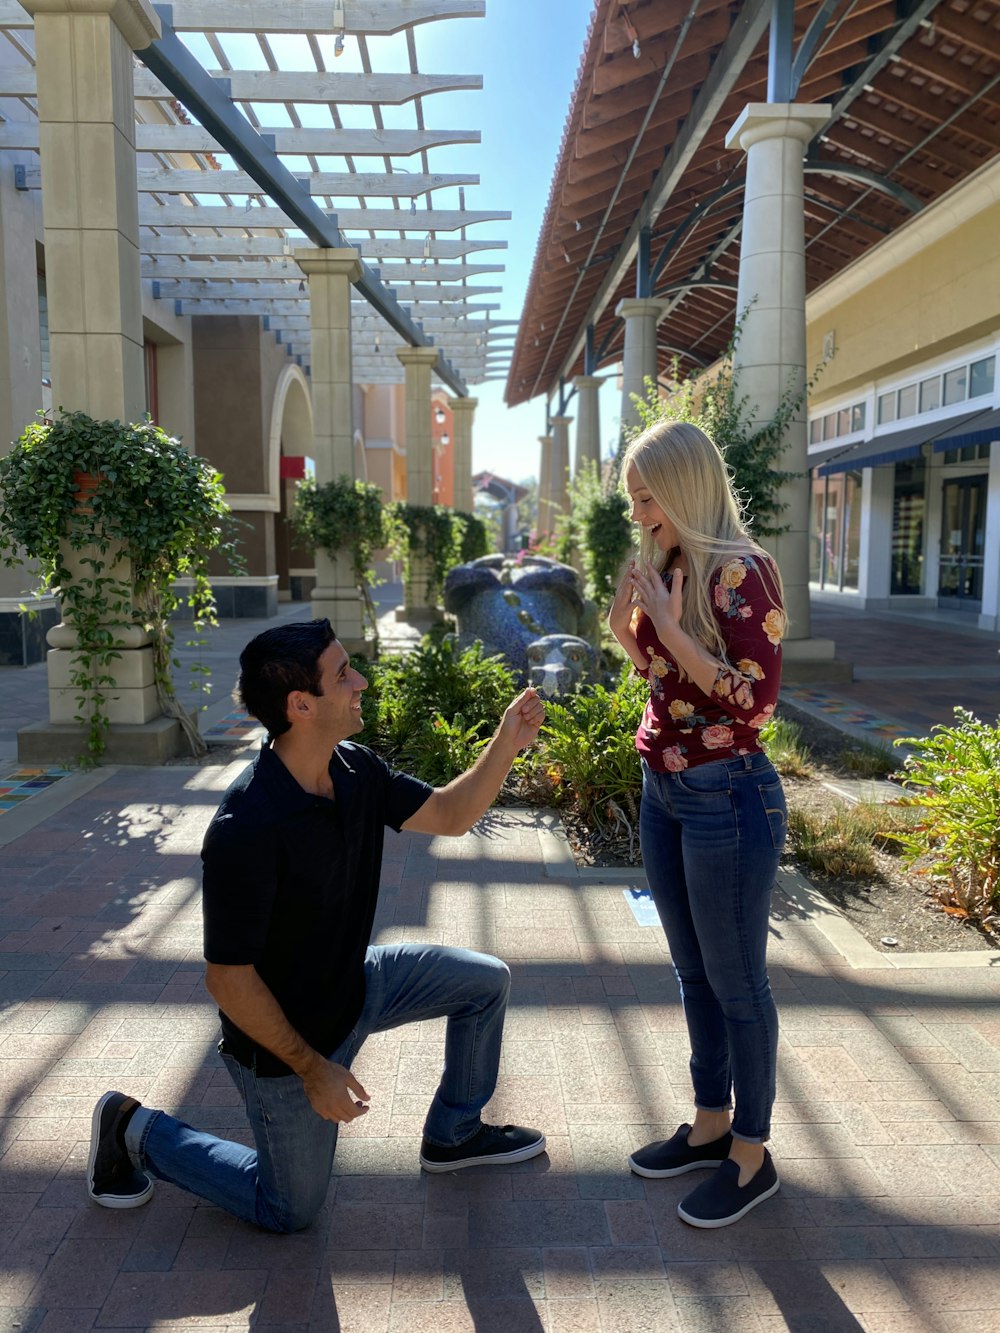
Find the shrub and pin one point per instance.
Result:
(348, 516)
(869, 760)
(782, 742)
(840, 845)
(433, 709)
(953, 783)
(586, 751)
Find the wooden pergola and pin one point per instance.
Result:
(262, 127)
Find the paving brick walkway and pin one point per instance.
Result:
(887, 1127)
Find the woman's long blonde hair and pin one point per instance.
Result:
(687, 477)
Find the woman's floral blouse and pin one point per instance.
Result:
(681, 726)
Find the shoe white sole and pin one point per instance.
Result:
(110, 1200)
(488, 1159)
(650, 1174)
(714, 1222)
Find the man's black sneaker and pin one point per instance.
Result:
(675, 1156)
(112, 1180)
(493, 1145)
(719, 1201)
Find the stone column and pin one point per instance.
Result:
(639, 360)
(770, 357)
(418, 363)
(544, 522)
(588, 422)
(86, 114)
(463, 411)
(330, 274)
(559, 492)
(22, 635)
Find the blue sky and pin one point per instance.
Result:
(528, 52)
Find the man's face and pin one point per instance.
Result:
(339, 707)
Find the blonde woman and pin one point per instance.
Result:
(700, 615)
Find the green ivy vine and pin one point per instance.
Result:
(107, 490)
(349, 516)
(434, 532)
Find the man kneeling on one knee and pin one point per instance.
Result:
(292, 861)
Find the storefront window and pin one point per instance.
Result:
(816, 529)
(908, 514)
(954, 385)
(886, 408)
(835, 531)
(981, 375)
(852, 531)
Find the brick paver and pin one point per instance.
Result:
(887, 1125)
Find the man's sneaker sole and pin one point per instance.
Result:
(135, 1200)
(487, 1159)
(652, 1174)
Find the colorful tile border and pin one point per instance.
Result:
(19, 783)
(845, 712)
(237, 725)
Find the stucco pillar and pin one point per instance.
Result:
(770, 357)
(330, 274)
(22, 637)
(86, 115)
(559, 492)
(463, 411)
(418, 363)
(588, 422)
(639, 359)
(544, 523)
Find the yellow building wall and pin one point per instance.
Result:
(942, 298)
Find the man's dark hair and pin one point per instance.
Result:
(277, 662)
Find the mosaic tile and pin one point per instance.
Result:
(18, 783)
(844, 711)
(237, 725)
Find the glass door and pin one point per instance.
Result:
(963, 536)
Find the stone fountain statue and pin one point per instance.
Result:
(529, 609)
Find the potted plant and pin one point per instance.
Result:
(349, 517)
(115, 514)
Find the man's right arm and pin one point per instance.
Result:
(245, 999)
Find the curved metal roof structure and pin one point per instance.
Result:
(644, 184)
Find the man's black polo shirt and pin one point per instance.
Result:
(290, 886)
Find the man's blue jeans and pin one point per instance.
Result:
(282, 1183)
(711, 841)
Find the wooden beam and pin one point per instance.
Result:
(23, 134)
(256, 246)
(361, 17)
(269, 85)
(282, 266)
(342, 184)
(152, 214)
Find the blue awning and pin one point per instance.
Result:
(984, 428)
(897, 446)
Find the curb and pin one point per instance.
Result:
(817, 910)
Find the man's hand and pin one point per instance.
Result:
(333, 1091)
(522, 719)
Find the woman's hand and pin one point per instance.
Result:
(662, 605)
(623, 607)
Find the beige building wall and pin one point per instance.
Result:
(925, 302)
